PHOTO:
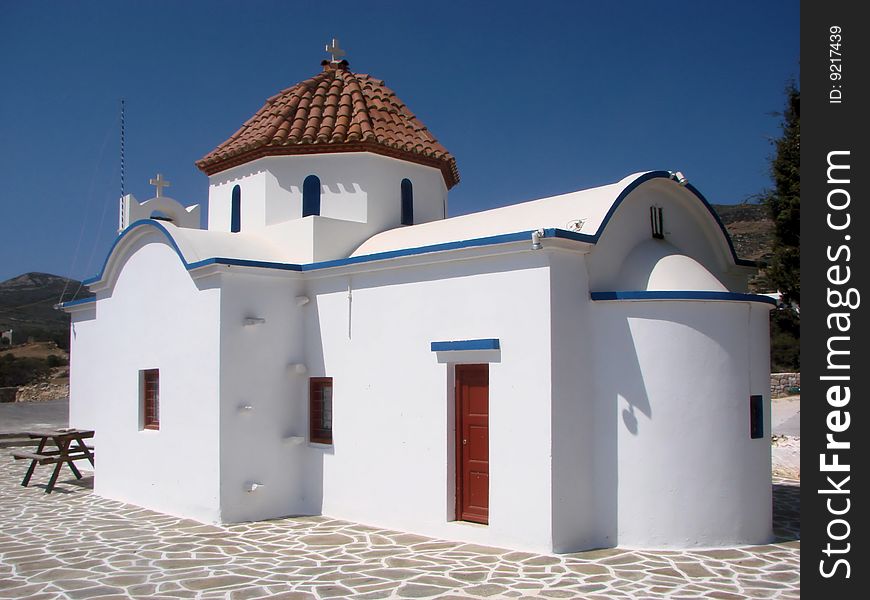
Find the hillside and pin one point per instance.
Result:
(751, 230)
(27, 306)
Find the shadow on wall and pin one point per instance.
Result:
(313, 456)
(333, 187)
(619, 396)
(626, 388)
(237, 174)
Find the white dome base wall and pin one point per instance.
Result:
(689, 473)
(358, 189)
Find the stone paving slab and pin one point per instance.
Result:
(74, 544)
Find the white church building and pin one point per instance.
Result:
(579, 371)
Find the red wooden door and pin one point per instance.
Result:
(472, 443)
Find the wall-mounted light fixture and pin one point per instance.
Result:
(252, 486)
(302, 300)
(536, 239)
(254, 321)
(679, 177)
(298, 368)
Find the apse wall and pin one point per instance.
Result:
(676, 379)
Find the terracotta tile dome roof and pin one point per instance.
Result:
(335, 111)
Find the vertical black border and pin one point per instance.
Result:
(825, 127)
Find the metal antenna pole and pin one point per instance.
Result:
(123, 140)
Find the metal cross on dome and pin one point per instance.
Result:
(335, 50)
(159, 183)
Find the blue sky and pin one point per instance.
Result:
(533, 98)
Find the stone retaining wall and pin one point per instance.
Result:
(38, 392)
(781, 382)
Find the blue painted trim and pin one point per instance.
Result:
(125, 233)
(683, 295)
(484, 241)
(472, 243)
(240, 262)
(564, 234)
(667, 175)
(78, 302)
(458, 345)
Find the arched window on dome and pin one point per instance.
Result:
(407, 202)
(236, 210)
(311, 196)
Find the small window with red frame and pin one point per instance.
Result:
(151, 399)
(320, 410)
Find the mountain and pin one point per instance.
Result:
(27, 306)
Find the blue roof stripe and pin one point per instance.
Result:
(667, 175)
(124, 234)
(484, 241)
(683, 295)
(460, 345)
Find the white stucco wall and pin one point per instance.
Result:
(584, 472)
(675, 378)
(85, 393)
(156, 317)
(315, 238)
(610, 422)
(254, 444)
(359, 187)
(392, 462)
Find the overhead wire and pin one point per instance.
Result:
(85, 215)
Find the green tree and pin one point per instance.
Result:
(784, 203)
(16, 371)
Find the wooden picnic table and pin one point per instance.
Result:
(69, 446)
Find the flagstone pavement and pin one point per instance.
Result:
(73, 544)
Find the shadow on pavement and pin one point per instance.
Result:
(787, 512)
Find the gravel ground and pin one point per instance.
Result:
(785, 442)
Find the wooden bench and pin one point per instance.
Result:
(52, 457)
(70, 446)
